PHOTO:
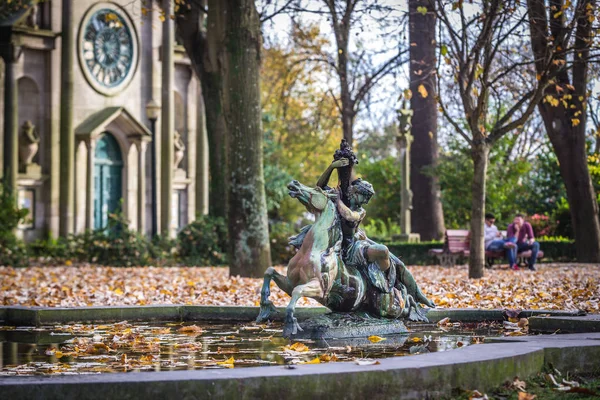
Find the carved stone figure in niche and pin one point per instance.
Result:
(32, 18)
(179, 145)
(28, 143)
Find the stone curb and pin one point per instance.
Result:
(37, 316)
(430, 375)
(565, 324)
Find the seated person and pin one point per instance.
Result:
(521, 233)
(493, 237)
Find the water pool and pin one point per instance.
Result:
(123, 347)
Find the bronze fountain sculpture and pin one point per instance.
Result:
(336, 264)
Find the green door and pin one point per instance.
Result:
(108, 183)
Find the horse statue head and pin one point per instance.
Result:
(314, 199)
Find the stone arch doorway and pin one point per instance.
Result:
(108, 179)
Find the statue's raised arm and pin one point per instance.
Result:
(324, 179)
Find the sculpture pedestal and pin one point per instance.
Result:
(348, 325)
(407, 237)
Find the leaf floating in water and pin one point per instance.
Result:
(375, 339)
(195, 329)
(299, 347)
(328, 358)
(315, 360)
(227, 363)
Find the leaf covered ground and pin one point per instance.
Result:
(553, 286)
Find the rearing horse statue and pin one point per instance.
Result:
(317, 271)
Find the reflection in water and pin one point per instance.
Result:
(123, 347)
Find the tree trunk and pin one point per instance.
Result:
(427, 205)
(479, 153)
(249, 251)
(566, 125)
(216, 131)
(204, 51)
(569, 147)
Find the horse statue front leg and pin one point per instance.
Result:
(266, 306)
(310, 289)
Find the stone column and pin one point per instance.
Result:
(89, 199)
(11, 116)
(404, 140)
(167, 122)
(201, 154)
(142, 145)
(67, 134)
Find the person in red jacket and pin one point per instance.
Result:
(521, 232)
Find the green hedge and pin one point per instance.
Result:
(414, 253)
(417, 253)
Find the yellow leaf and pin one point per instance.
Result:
(328, 358)
(227, 363)
(408, 94)
(315, 360)
(190, 329)
(300, 347)
(422, 91)
(416, 339)
(422, 10)
(118, 291)
(375, 339)
(526, 396)
(575, 121)
(558, 14)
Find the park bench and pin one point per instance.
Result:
(456, 246)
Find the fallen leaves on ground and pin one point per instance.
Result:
(552, 287)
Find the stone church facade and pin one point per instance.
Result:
(78, 161)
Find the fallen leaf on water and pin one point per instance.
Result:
(328, 358)
(375, 339)
(315, 360)
(227, 363)
(190, 329)
(299, 347)
(415, 339)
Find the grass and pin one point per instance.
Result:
(541, 387)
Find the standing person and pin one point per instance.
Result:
(521, 232)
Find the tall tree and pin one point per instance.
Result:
(200, 28)
(356, 71)
(562, 49)
(249, 251)
(479, 47)
(424, 149)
